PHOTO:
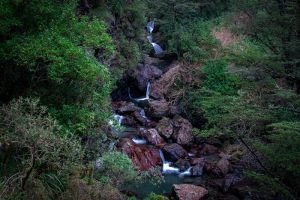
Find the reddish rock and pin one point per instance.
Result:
(153, 137)
(222, 167)
(174, 151)
(165, 127)
(189, 192)
(158, 108)
(144, 157)
(209, 149)
(183, 130)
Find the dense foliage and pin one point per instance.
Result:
(240, 81)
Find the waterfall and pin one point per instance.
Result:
(139, 141)
(117, 118)
(147, 97)
(143, 114)
(167, 168)
(157, 48)
(150, 27)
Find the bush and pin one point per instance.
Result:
(282, 152)
(37, 158)
(118, 167)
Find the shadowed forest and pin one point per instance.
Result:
(152, 100)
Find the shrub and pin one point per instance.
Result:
(37, 158)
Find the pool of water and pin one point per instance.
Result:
(142, 190)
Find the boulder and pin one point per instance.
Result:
(182, 130)
(189, 192)
(182, 164)
(124, 107)
(144, 157)
(141, 119)
(222, 167)
(146, 73)
(197, 166)
(174, 151)
(158, 108)
(165, 127)
(153, 137)
(129, 121)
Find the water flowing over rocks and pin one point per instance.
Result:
(174, 151)
(189, 192)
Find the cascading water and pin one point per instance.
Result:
(150, 26)
(117, 118)
(157, 49)
(139, 140)
(147, 97)
(168, 169)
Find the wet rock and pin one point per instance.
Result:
(222, 167)
(142, 120)
(158, 108)
(165, 127)
(209, 149)
(124, 107)
(189, 192)
(182, 164)
(129, 121)
(146, 73)
(144, 157)
(182, 130)
(197, 166)
(153, 137)
(174, 151)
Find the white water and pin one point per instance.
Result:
(157, 48)
(150, 26)
(143, 114)
(147, 97)
(139, 141)
(186, 173)
(117, 118)
(168, 169)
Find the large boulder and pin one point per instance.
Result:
(189, 192)
(222, 167)
(209, 149)
(153, 137)
(182, 164)
(197, 166)
(124, 107)
(174, 151)
(129, 121)
(158, 108)
(146, 73)
(182, 131)
(165, 127)
(144, 157)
